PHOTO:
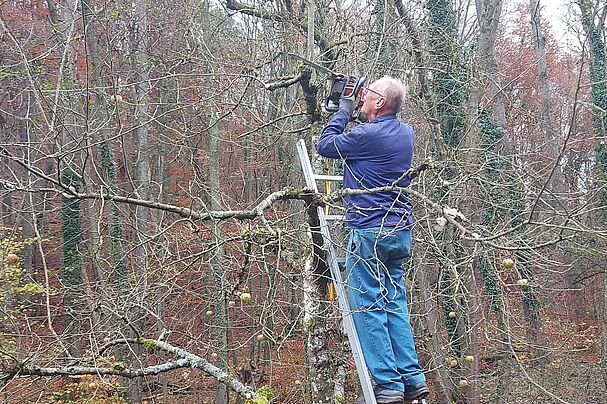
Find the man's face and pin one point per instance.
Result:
(373, 101)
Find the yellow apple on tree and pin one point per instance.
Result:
(508, 263)
(115, 99)
(245, 297)
(12, 259)
(451, 362)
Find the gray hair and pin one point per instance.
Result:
(394, 91)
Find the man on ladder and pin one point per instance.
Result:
(378, 154)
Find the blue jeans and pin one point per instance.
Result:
(378, 300)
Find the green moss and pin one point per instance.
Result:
(339, 400)
(293, 192)
(148, 344)
(119, 366)
(262, 396)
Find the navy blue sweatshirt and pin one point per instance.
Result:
(375, 154)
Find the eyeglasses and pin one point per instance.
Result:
(367, 89)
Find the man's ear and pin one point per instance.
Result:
(381, 102)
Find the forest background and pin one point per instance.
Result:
(156, 242)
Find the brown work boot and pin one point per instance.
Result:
(417, 391)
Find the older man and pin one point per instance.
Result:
(377, 154)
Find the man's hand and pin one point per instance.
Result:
(347, 104)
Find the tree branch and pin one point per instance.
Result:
(304, 194)
(116, 370)
(300, 22)
(283, 82)
(186, 359)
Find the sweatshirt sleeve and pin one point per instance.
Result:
(335, 143)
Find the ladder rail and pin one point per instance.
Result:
(344, 307)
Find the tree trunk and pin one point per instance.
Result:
(100, 114)
(440, 375)
(599, 126)
(217, 257)
(71, 225)
(504, 358)
(450, 92)
(141, 91)
(316, 330)
(71, 215)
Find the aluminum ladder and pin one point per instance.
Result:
(333, 262)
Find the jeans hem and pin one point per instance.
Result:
(411, 380)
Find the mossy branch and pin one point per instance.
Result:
(185, 359)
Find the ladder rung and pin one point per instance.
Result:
(335, 217)
(324, 177)
(340, 260)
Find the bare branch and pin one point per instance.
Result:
(186, 359)
(283, 82)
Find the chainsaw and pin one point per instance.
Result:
(347, 88)
(341, 86)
